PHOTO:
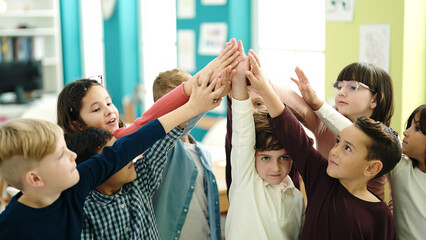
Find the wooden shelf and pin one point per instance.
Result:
(29, 13)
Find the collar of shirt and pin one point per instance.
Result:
(103, 199)
(284, 185)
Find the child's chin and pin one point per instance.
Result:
(329, 172)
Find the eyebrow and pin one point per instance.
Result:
(350, 144)
(97, 102)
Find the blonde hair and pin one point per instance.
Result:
(24, 143)
(167, 81)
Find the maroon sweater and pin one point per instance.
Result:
(332, 212)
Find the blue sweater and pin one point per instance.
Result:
(63, 219)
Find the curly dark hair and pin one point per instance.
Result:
(384, 144)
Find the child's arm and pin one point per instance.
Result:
(243, 135)
(167, 103)
(239, 73)
(334, 120)
(287, 129)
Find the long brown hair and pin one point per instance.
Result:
(69, 105)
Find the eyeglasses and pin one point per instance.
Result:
(97, 78)
(351, 86)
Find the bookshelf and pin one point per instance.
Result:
(37, 23)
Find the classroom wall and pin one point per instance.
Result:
(407, 49)
(71, 44)
(413, 87)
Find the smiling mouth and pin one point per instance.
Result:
(112, 120)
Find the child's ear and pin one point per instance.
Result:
(33, 179)
(373, 168)
(373, 104)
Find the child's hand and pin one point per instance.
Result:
(243, 65)
(225, 78)
(306, 90)
(227, 57)
(205, 97)
(259, 83)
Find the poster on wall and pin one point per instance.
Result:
(186, 49)
(340, 10)
(185, 9)
(374, 45)
(212, 38)
(213, 2)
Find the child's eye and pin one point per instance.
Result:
(265, 158)
(109, 104)
(337, 141)
(96, 110)
(352, 88)
(285, 157)
(348, 148)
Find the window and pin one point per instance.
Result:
(287, 34)
(92, 38)
(158, 41)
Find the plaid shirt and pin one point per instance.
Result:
(129, 213)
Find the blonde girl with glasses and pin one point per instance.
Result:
(362, 89)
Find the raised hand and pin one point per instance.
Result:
(227, 57)
(243, 65)
(259, 82)
(205, 97)
(306, 90)
(225, 78)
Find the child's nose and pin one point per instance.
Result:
(276, 166)
(405, 133)
(342, 91)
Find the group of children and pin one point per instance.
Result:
(92, 178)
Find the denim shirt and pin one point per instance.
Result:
(172, 199)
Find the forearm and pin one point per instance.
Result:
(177, 116)
(166, 104)
(334, 120)
(243, 140)
(100, 167)
(273, 103)
(297, 144)
(298, 107)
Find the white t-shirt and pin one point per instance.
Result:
(409, 195)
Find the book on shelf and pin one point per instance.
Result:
(21, 48)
